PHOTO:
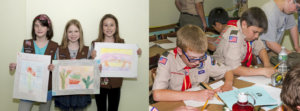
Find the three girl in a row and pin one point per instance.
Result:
(72, 47)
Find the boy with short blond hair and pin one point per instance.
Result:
(186, 66)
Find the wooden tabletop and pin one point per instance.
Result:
(171, 106)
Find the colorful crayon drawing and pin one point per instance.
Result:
(76, 77)
(117, 60)
(31, 77)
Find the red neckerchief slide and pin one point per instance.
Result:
(186, 81)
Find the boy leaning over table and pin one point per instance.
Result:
(186, 66)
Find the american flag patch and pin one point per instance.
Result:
(233, 39)
(163, 60)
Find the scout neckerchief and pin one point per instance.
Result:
(186, 81)
(248, 58)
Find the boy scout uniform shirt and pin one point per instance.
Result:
(233, 48)
(171, 72)
(188, 6)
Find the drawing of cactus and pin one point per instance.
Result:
(87, 82)
(63, 75)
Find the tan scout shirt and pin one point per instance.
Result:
(170, 74)
(233, 53)
(189, 6)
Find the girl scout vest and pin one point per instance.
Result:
(51, 49)
(65, 54)
(112, 82)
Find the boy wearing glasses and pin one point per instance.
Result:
(241, 43)
(280, 15)
(186, 66)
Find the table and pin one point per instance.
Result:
(171, 106)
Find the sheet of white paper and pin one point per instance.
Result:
(31, 78)
(118, 60)
(167, 45)
(194, 103)
(256, 79)
(151, 44)
(75, 77)
(172, 39)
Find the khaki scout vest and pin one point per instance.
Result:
(65, 54)
(51, 49)
(113, 82)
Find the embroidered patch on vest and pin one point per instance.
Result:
(163, 60)
(201, 72)
(28, 43)
(233, 39)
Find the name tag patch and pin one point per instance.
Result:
(201, 72)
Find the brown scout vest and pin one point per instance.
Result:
(113, 82)
(65, 54)
(51, 49)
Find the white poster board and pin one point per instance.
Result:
(118, 60)
(31, 77)
(75, 77)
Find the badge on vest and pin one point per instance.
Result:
(213, 61)
(28, 43)
(163, 60)
(233, 39)
(201, 72)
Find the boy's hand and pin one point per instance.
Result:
(226, 87)
(51, 67)
(268, 71)
(203, 95)
(12, 66)
(93, 54)
(139, 51)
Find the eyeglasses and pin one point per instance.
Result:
(203, 58)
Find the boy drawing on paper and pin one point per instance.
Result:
(240, 44)
(186, 66)
(290, 90)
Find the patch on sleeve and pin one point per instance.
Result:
(163, 60)
(201, 72)
(233, 39)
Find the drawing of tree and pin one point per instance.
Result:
(63, 75)
(87, 82)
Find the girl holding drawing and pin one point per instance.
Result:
(72, 47)
(41, 44)
(109, 87)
